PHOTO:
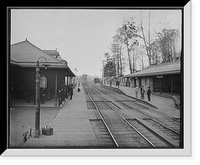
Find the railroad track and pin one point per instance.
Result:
(164, 119)
(135, 133)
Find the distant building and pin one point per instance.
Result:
(84, 77)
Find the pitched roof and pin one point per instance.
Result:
(162, 69)
(27, 52)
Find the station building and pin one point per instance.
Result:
(22, 73)
(164, 78)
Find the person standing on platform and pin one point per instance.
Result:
(136, 91)
(142, 92)
(118, 83)
(71, 91)
(79, 87)
(149, 93)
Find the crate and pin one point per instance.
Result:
(47, 131)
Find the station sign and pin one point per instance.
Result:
(159, 76)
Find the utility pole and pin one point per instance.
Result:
(115, 50)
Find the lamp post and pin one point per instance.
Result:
(37, 110)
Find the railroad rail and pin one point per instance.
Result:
(138, 106)
(144, 131)
(102, 118)
(149, 116)
(109, 130)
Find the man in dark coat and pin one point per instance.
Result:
(142, 92)
(117, 83)
(149, 93)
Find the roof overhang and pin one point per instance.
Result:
(163, 69)
(70, 73)
(138, 74)
(42, 65)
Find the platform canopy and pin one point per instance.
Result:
(25, 54)
(162, 69)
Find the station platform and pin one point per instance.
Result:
(71, 126)
(164, 104)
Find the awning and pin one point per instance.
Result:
(69, 73)
(162, 69)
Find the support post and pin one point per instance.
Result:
(67, 80)
(171, 85)
(160, 85)
(56, 89)
(67, 87)
(37, 111)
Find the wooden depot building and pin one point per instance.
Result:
(164, 78)
(22, 73)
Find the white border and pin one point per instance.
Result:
(134, 152)
(187, 78)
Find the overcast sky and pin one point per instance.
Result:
(82, 37)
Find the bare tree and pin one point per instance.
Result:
(127, 35)
(166, 42)
(155, 52)
(147, 41)
(140, 52)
